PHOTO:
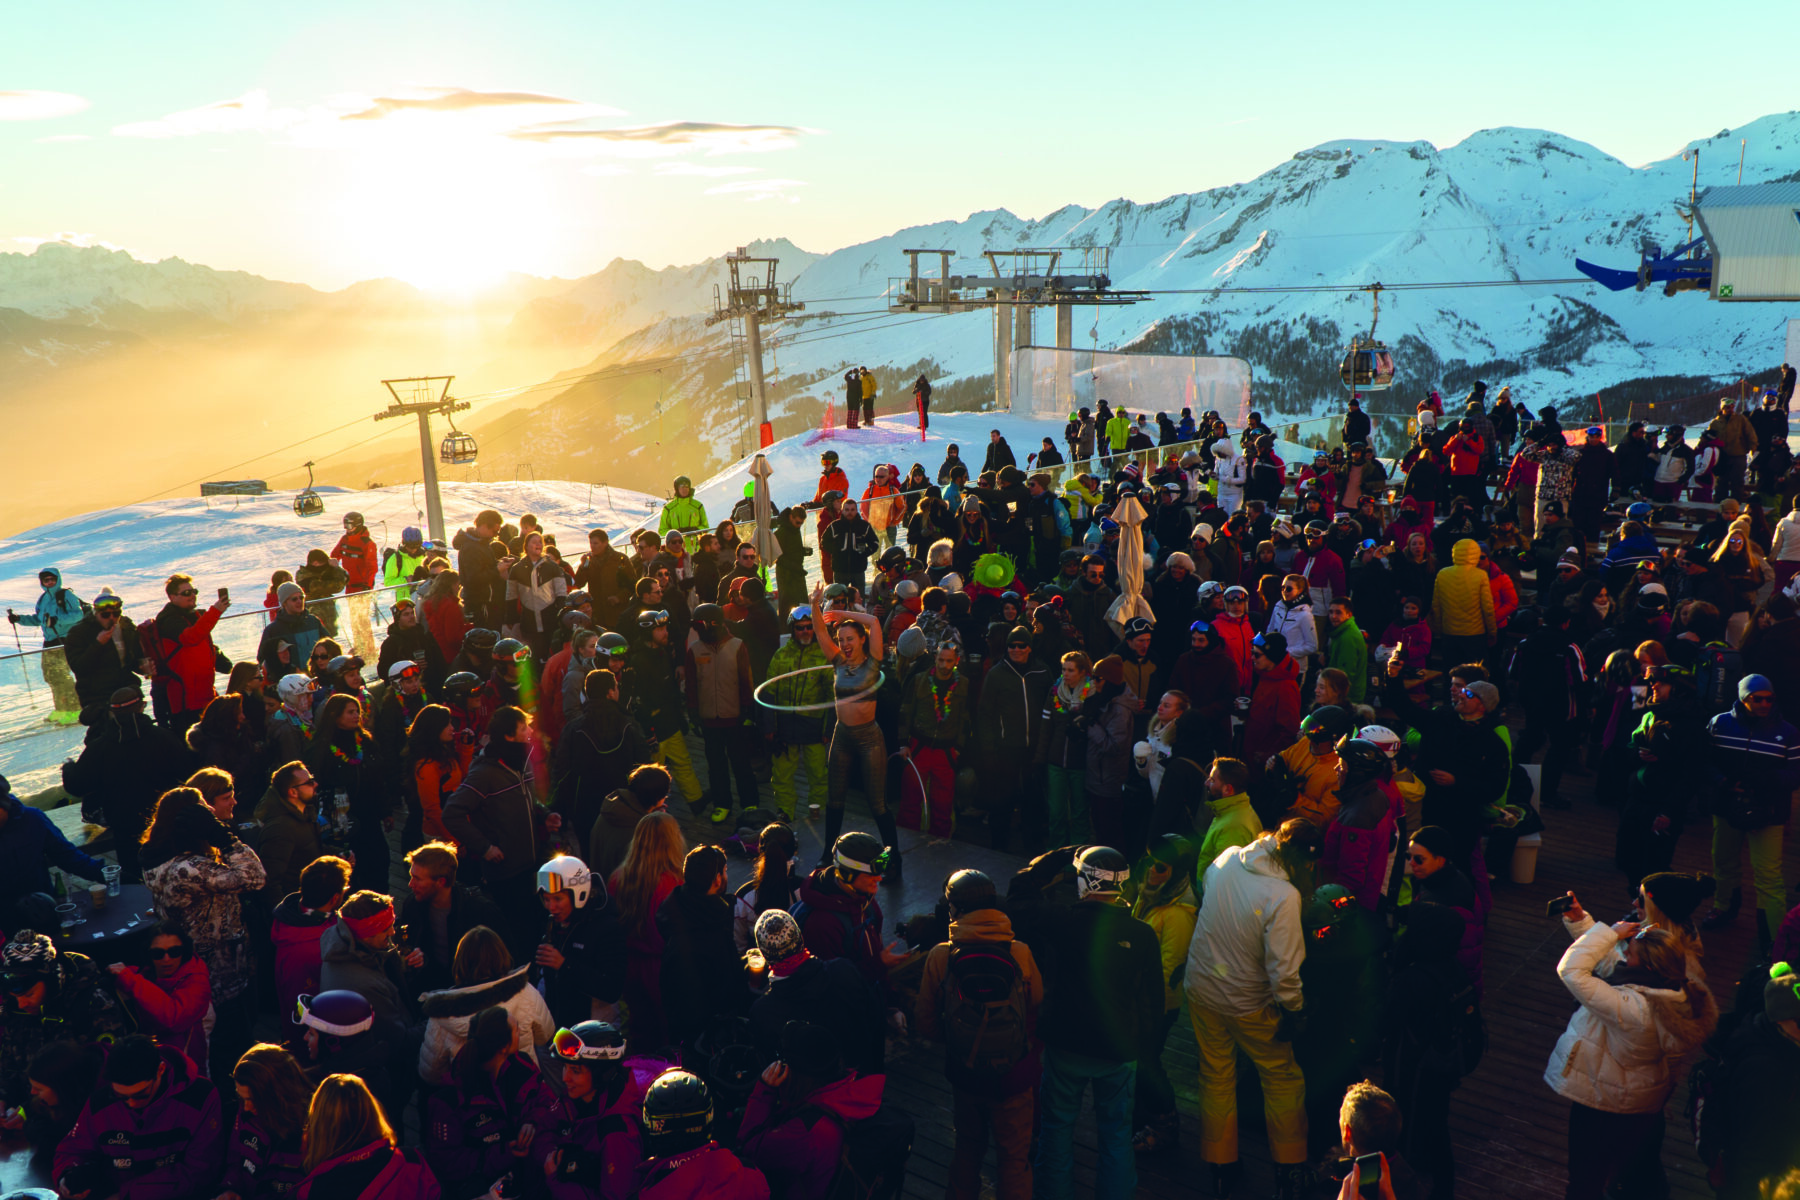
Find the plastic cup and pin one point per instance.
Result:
(66, 914)
(97, 895)
(112, 872)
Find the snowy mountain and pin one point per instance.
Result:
(633, 386)
(1502, 205)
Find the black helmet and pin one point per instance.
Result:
(1068, 556)
(1011, 597)
(893, 556)
(653, 618)
(1362, 760)
(709, 616)
(859, 853)
(510, 650)
(614, 644)
(1100, 869)
(462, 685)
(967, 891)
(1326, 721)
(678, 1113)
(589, 1042)
(480, 639)
(829, 456)
(342, 663)
(574, 618)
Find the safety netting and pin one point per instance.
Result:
(1055, 382)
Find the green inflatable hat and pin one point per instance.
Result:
(994, 570)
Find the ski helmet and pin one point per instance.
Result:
(678, 1113)
(969, 890)
(709, 617)
(653, 618)
(682, 481)
(1362, 761)
(800, 612)
(510, 650)
(293, 688)
(566, 873)
(1638, 511)
(405, 668)
(1326, 721)
(837, 591)
(859, 853)
(1381, 737)
(1201, 627)
(1209, 589)
(412, 535)
(462, 685)
(1316, 529)
(573, 618)
(353, 520)
(1100, 869)
(893, 556)
(589, 1042)
(1012, 598)
(342, 663)
(480, 640)
(614, 644)
(337, 1013)
(830, 456)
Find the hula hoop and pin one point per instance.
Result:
(756, 693)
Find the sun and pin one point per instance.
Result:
(450, 224)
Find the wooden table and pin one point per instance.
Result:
(83, 835)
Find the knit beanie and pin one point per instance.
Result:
(288, 591)
(1487, 693)
(1178, 559)
(778, 936)
(1111, 669)
(1679, 893)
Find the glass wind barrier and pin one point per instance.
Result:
(37, 690)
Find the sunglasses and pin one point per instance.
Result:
(187, 592)
(167, 952)
(1643, 933)
(803, 628)
(321, 657)
(1465, 693)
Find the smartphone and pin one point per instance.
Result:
(1558, 906)
(225, 594)
(1368, 1175)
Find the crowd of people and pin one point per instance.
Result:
(1245, 723)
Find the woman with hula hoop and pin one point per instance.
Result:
(854, 651)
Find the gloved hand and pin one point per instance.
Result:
(12, 616)
(1291, 1025)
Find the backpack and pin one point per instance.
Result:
(62, 596)
(1716, 675)
(1462, 1052)
(984, 1007)
(872, 1163)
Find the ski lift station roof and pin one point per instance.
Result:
(1754, 234)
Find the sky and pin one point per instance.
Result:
(448, 143)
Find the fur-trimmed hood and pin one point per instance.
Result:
(467, 1001)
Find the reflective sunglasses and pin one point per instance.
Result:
(187, 592)
(167, 952)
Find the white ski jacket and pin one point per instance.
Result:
(1248, 944)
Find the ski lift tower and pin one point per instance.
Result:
(751, 297)
(420, 397)
(1021, 282)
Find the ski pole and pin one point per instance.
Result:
(29, 690)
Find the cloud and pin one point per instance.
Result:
(249, 113)
(605, 169)
(63, 137)
(760, 189)
(687, 168)
(443, 100)
(671, 137)
(39, 106)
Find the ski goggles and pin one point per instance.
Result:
(875, 866)
(109, 607)
(568, 1046)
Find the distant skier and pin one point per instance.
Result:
(867, 379)
(922, 401)
(58, 611)
(852, 397)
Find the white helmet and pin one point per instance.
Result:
(565, 873)
(293, 688)
(1385, 739)
(1100, 869)
(951, 582)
